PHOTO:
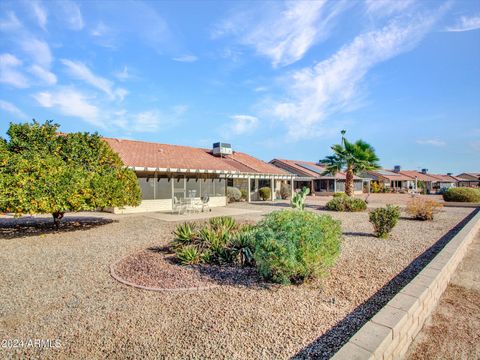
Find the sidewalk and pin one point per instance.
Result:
(453, 331)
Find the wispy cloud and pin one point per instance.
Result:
(10, 22)
(386, 7)
(186, 58)
(243, 124)
(10, 73)
(283, 32)
(466, 24)
(148, 121)
(80, 71)
(70, 102)
(332, 86)
(40, 14)
(122, 75)
(38, 50)
(46, 76)
(71, 14)
(12, 109)
(431, 142)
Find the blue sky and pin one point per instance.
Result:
(276, 79)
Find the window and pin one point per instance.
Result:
(229, 182)
(358, 185)
(163, 188)
(263, 183)
(147, 184)
(193, 187)
(220, 187)
(340, 186)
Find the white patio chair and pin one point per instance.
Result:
(179, 206)
(205, 202)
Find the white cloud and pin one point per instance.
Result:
(10, 23)
(283, 32)
(72, 14)
(70, 102)
(12, 109)
(243, 124)
(100, 30)
(9, 73)
(80, 71)
(122, 75)
(260, 89)
(44, 75)
(148, 121)
(386, 7)
(38, 50)
(466, 24)
(186, 58)
(40, 14)
(332, 85)
(431, 142)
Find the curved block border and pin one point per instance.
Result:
(391, 331)
(117, 277)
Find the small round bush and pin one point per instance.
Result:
(342, 202)
(462, 195)
(265, 193)
(384, 220)
(285, 191)
(233, 194)
(422, 209)
(244, 194)
(292, 246)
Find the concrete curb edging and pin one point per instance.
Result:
(390, 332)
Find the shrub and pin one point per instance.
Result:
(384, 220)
(293, 246)
(265, 193)
(185, 233)
(343, 202)
(422, 209)
(462, 195)
(285, 191)
(298, 199)
(244, 194)
(233, 194)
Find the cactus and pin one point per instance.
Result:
(298, 199)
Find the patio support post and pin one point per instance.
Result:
(334, 185)
(291, 186)
(249, 189)
(272, 188)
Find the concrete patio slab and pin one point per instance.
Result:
(219, 211)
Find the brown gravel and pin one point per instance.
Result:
(58, 286)
(155, 269)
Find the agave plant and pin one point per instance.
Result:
(188, 255)
(242, 247)
(224, 222)
(185, 233)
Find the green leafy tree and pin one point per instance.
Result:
(353, 158)
(46, 172)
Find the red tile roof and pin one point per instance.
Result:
(148, 154)
(390, 175)
(419, 175)
(295, 166)
(445, 178)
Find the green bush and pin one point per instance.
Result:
(462, 195)
(244, 194)
(265, 193)
(342, 202)
(233, 194)
(339, 194)
(292, 246)
(285, 191)
(188, 255)
(384, 220)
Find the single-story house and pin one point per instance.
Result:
(391, 179)
(469, 179)
(310, 174)
(170, 173)
(445, 181)
(430, 181)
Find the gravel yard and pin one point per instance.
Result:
(58, 286)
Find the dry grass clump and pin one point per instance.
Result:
(423, 209)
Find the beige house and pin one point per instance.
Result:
(168, 174)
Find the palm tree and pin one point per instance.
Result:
(351, 157)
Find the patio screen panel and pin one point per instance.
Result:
(193, 187)
(163, 188)
(147, 185)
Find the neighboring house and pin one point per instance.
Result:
(445, 181)
(430, 181)
(310, 174)
(169, 173)
(469, 179)
(392, 180)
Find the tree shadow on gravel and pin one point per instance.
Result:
(362, 234)
(329, 343)
(12, 228)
